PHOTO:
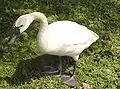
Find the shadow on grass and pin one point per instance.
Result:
(33, 68)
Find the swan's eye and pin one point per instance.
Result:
(20, 26)
(14, 27)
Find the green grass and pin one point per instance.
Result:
(21, 65)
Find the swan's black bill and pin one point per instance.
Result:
(12, 39)
(15, 36)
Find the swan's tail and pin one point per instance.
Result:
(95, 36)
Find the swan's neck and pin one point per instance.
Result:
(41, 18)
(43, 26)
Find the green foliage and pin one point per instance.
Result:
(99, 65)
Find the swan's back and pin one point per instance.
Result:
(68, 38)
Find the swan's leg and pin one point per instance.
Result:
(75, 61)
(74, 68)
(60, 66)
(74, 65)
(70, 80)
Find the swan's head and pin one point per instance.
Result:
(21, 24)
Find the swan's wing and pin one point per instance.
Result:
(68, 38)
(75, 45)
(71, 33)
(79, 42)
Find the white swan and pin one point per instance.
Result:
(62, 38)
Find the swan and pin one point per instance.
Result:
(62, 38)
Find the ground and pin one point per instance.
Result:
(21, 64)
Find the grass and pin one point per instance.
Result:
(21, 65)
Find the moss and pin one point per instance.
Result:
(98, 65)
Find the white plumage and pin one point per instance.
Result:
(66, 38)
(62, 38)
